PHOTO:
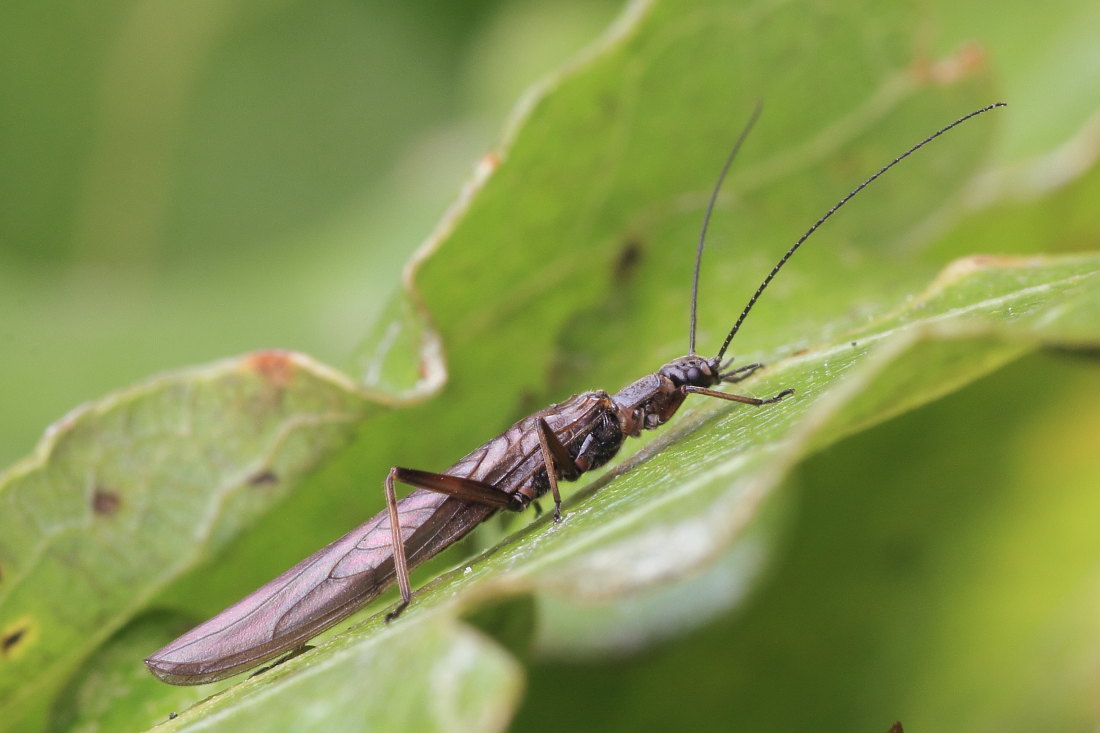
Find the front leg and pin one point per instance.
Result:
(738, 374)
(692, 389)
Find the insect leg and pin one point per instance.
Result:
(478, 492)
(555, 454)
(692, 389)
(741, 372)
(467, 489)
(400, 562)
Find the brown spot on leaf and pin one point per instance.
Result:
(276, 367)
(105, 502)
(489, 163)
(15, 638)
(10, 640)
(630, 256)
(968, 58)
(610, 105)
(896, 728)
(266, 477)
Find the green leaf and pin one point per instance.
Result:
(673, 510)
(685, 505)
(126, 494)
(565, 266)
(463, 681)
(939, 570)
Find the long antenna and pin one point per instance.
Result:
(830, 212)
(706, 218)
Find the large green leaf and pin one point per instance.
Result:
(646, 532)
(940, 570)
(564, 267)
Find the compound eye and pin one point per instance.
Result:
(694, 375)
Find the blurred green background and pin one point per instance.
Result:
(183, 182)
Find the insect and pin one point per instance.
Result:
(507, 473)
